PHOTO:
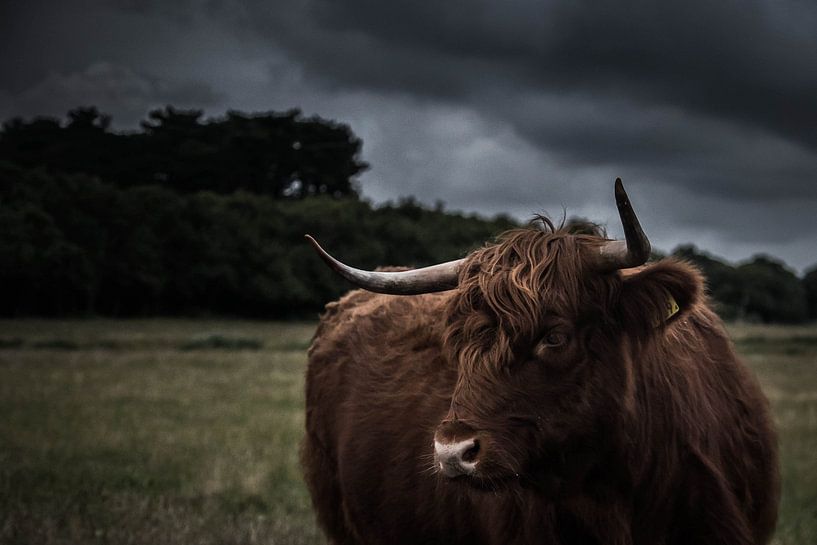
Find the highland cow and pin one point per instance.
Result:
(547, 388)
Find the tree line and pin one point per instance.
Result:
(762, 289)
(191, 216)
(71, 244)
(276, 154)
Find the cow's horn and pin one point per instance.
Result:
(413, 282)
(635, 249)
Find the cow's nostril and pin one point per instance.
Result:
(457, 458)
(471, 454)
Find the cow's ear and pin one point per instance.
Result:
(659, 294)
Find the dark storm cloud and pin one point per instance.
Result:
(110, 87)
(708, 154)
(57, 56)
(684, 92)
(753, 62)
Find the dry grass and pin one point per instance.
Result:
(120, 436)
(183, 431)
(785, 360)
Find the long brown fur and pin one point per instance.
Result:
(638, 429)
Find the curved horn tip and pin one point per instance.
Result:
(635, 249)
(621, 195)
(314, 243)
(331, 261)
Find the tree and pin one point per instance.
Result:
(283, 155)
(71, 244)
(88, 119)
(771, 292)
(724, 283)
(810, 287)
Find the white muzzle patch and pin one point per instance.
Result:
(449, 457)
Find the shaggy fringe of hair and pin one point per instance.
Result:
(501, 288)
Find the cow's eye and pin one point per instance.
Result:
(554, 338)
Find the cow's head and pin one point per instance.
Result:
(542, 326)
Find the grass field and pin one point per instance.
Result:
(171, 431)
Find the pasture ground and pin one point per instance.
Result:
(187, 431)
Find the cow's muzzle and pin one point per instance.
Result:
(456, 449)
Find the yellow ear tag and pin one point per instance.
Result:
(672, 307)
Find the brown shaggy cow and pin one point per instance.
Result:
(546, 397)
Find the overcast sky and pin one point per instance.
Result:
(707, 110)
